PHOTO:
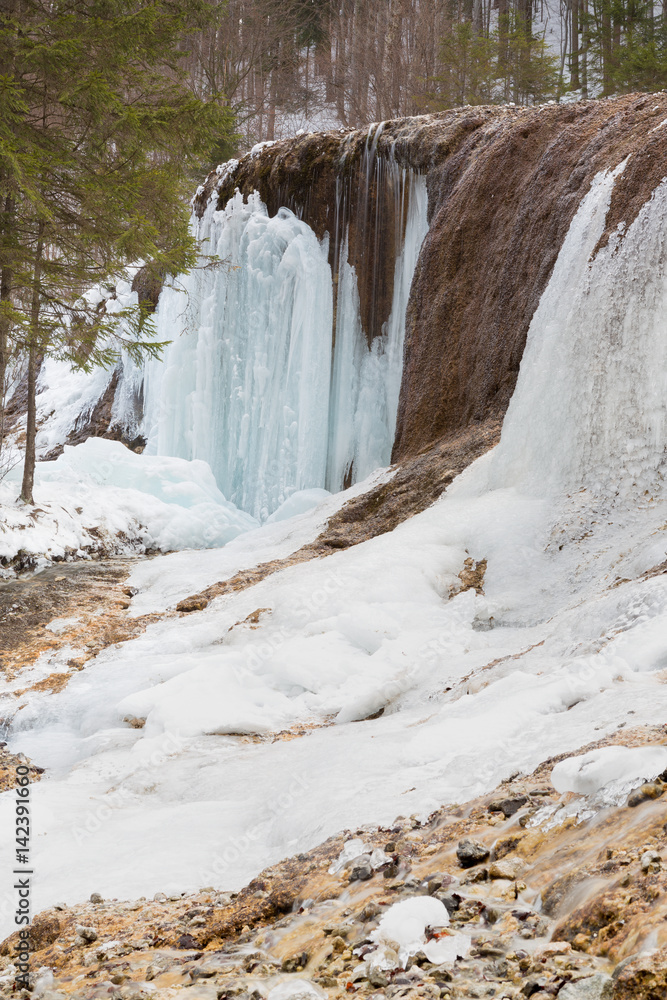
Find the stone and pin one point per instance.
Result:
(96, 898)
(471, 852)
(651, 790)
(451, 901)
(533, 986)
(508, 806)
(509, 868)
(597, 987)
(361, 872)
(378, 978)
(134, 721)
(650, 861)
(87, 934)
(195, 603)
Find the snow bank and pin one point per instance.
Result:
(101, 497)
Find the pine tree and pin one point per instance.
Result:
(96, 149)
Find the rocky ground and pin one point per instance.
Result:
(557, 899)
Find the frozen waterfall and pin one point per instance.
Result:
(258, 380)
(590, 407)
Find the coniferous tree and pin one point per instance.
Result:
(97, 145)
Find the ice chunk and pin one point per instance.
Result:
(351, 849)
(590, 772)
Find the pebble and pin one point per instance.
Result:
(362, 872)
(650, 861)
(508, 806)
(471, 852)
(96, 898)
(508, 868)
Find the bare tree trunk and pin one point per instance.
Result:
(5, 293)
(31, 424)
(606, 49)
(574, 46)
(584, 48)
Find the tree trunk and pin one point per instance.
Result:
(574, 46)
(5, 293)
(584, 49)
(606, 50)
(31, 425)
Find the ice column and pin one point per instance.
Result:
(251, 382)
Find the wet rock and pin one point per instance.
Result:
(597, 987)
(96, 898)
(296, 963)
(361, 872)
(651, 790)
(641, 977)
(186, 941)
(451, 901)
(471, 852)
(378, 977)
(509, 868)
(532, 986)
(508, 807)
(370, 911)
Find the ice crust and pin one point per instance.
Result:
(555, 652)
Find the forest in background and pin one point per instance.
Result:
(285, 64)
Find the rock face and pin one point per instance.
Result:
(504, 184)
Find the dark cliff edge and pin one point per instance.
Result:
(504, 184)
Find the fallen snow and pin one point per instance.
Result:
(404, 925)
(101, 497)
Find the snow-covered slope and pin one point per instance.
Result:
(410, 694)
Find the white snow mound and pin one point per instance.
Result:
(404, 927)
